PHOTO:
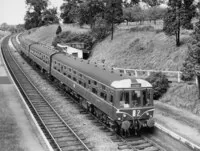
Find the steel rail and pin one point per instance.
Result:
(21, 87)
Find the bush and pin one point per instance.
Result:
(144, 28)
(188, 73)
(160, 84)
(69, 37)
(59, 30)
(101, 29)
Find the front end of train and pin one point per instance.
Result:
(135, 108)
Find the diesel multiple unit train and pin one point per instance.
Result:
(113, 97)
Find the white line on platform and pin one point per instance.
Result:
(177, 137)
(29, 111)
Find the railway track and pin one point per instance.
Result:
(60, 135)
(136, 143)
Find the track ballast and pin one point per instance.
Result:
(56, 130)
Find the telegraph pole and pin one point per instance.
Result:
(112, 23)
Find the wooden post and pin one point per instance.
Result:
(179, 77)
(198, 84)
(136, 73)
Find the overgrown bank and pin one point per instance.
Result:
(141, 50)
(183, 96)
(145, 49)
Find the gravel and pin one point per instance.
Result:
(99, 139)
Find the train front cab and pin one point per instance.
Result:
(136, 106)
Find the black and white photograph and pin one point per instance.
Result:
(99, 75)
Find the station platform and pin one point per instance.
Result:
(27, 134)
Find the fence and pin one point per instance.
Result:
(174, 76)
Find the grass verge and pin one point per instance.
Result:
(183, 95)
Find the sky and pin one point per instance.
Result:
(12, 12)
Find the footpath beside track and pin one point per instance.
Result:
(59, 134)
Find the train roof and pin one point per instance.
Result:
(103, 75)
(43, 48)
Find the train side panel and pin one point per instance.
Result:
(41, 59)
(101, 104)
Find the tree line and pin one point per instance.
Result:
(177, 15)
(104, 14)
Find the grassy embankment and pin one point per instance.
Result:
(148, 49)
(46, 34)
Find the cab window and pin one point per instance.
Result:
(135, 98)
(146, 97)
(124, 99)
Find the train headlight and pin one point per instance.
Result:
(147, 113)
(119, 118)
(134, 113)
(124, 115)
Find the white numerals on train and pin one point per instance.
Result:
(136, 113)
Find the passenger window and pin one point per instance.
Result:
(94, 90)
(80, 82)
(95, 82)
(69, 76)
(88, 81)
(84, 85)
(111, 98)
(103, 87)
(74, 78)
(103, 95)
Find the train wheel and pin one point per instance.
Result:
(151, 129)
(117, 127)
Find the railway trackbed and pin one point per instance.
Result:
(134, 143)
(60, 135)
(139, 143)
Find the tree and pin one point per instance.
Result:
(33, 17)
(179, 14)
(193, 57)
(59, 30)
(69, 10)
(127, 14)
(188, 13)
(160, 84)
(113, 13)
(95, 8)
(83, 16)
(155, 13)
(49, 16)
(4, 26)
(153, 3)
